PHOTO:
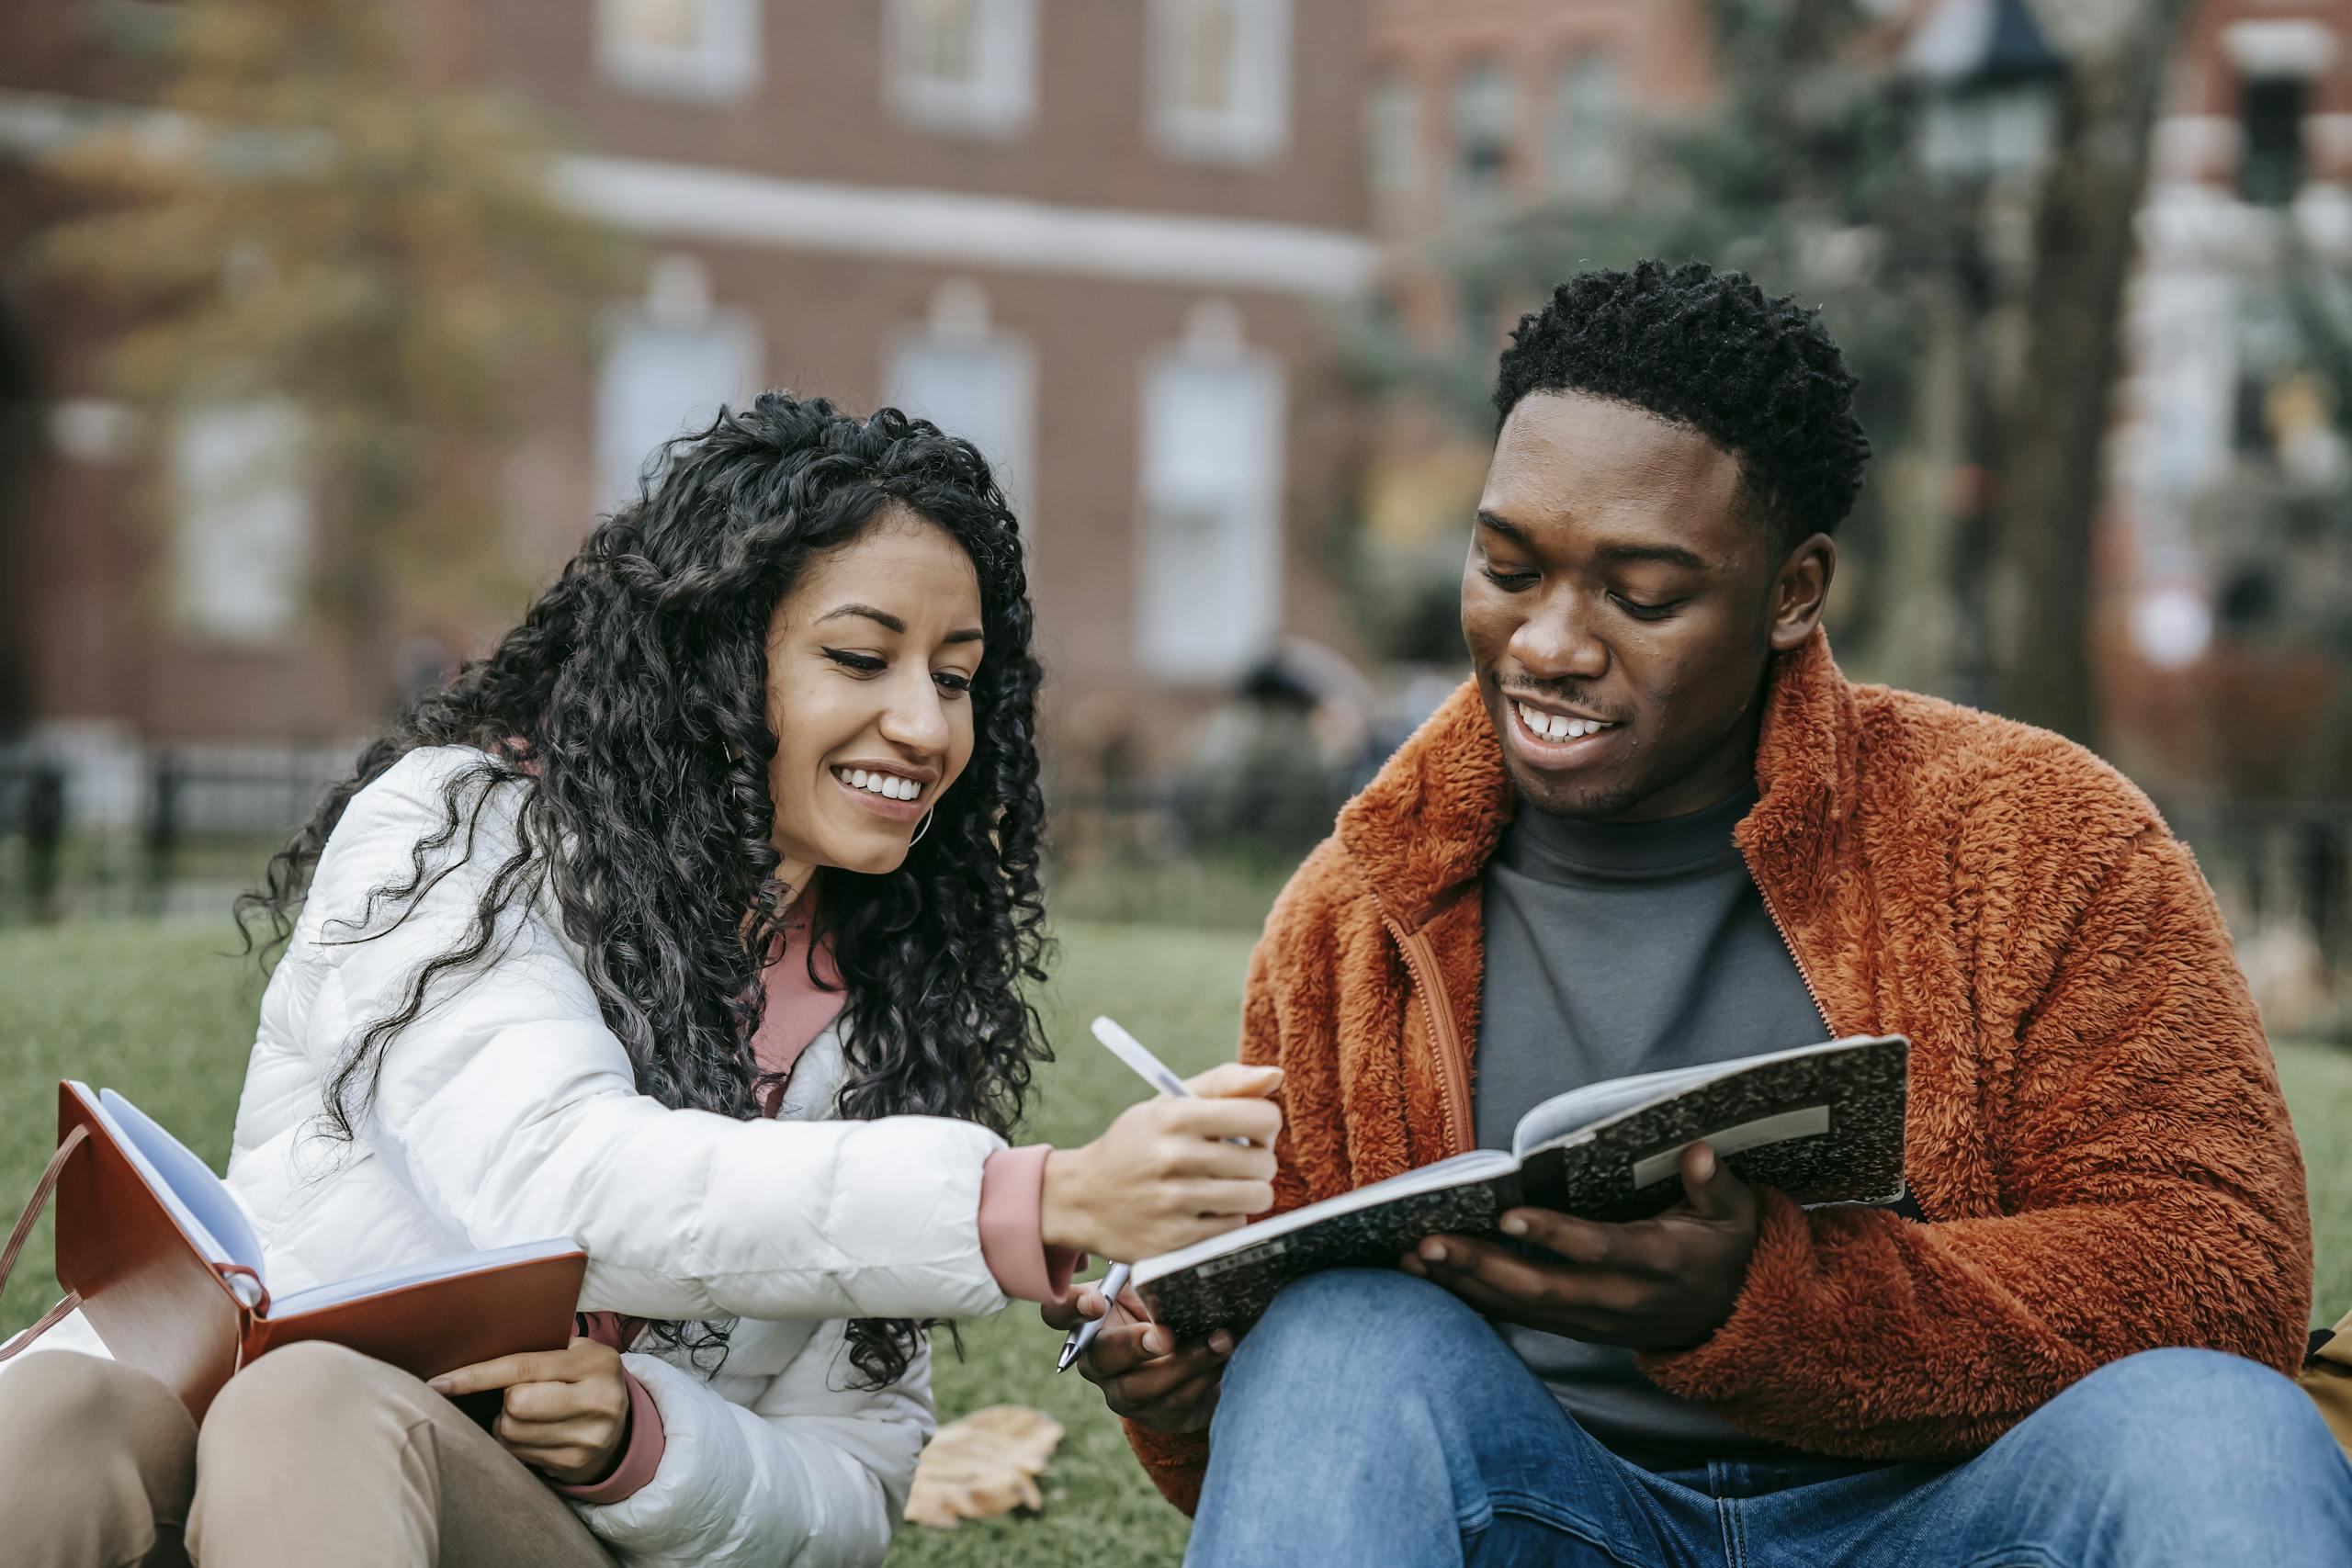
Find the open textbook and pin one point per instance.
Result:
(170, 1273)
(1824, 1123)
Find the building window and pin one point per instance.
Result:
(2270, 113)
(969, 66)
(974, 382)
(1482, 117)
(1393, 136)
(1587, 127)
(244, 522)
(1209, 560)
(1219, 73)
(662, 376)
(688, 49)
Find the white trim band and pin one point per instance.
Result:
(950, 229)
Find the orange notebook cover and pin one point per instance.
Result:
(171, 1276)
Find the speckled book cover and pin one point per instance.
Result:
(1822, 1124)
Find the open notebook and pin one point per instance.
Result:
(1822, 1122)
(172, 1275)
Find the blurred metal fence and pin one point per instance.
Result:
(196, 825)
(2283, 875)
(184, 828)
(203, 820)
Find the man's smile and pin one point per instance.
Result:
(1552, 737)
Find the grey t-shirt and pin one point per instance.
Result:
(1613, 948)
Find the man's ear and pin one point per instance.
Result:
(1800, 589)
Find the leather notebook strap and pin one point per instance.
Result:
(33, 1206)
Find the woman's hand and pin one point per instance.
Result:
(1161, 1176)
(566, 1411)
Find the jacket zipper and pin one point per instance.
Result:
(1772, 911)
(1445, 1039)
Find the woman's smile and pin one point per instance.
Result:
(884, 791)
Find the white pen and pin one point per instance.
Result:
(1153, 1071)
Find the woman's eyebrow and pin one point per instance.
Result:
(884, 618)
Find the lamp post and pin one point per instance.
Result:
(1990, 86)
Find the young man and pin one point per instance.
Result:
(1657, 827)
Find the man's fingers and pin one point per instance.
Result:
(1646, 1248)
(1576, 1313)
(1126, 1349)
(1120, 1348)
(1158, 1380)
(1506, 1280)
(1578, 1241)
(1709, 1185)
(1505, 1271)
(1083, 1303)
(1184, 1408)
(1469, 1287)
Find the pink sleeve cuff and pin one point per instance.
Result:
(1012, 1243)
(640, 1452)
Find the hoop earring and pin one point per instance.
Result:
(923, 827)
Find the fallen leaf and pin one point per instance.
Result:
(983, 1465)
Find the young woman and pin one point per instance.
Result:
(694, 924)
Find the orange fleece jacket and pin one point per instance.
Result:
(2095, 1134)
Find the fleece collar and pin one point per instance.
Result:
(1422, 831)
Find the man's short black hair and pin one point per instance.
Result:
(1757, 376)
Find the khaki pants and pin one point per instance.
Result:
(313, 1454)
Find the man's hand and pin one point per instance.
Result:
(1659, 1284)
(1144, 1374)
(566, 1411)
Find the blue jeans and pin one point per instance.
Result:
(1372, 1417)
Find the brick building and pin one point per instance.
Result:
(1475, 106)
(1100, 240)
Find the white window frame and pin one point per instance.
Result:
(1011, 455)
(1594, 167)
(621, 455)
(244, 524)
(723, 66)
(1394, 138)
(998, 103)
(1256, 126)
(1487, 201)
(1249, 595)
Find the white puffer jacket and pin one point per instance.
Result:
(507, 1113)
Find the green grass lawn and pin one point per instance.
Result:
(150, 1009)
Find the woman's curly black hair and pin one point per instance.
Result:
(1757, 375)
(629, 716)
